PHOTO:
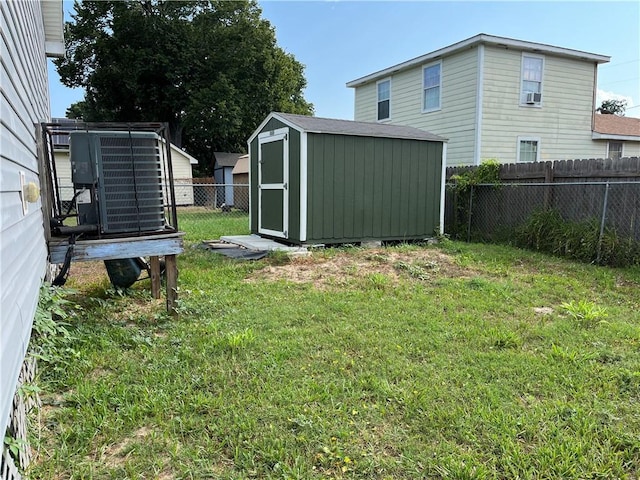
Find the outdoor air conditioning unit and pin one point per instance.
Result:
(534, 97)
(117, 179)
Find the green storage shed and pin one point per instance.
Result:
(325, 181)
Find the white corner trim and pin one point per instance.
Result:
(303, 186)
(479, 101)
(442, 186)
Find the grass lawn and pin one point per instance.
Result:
(449, 361)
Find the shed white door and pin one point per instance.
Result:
(273, 178)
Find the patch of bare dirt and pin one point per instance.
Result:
(83, 273)
(344, 267)
(116, 455)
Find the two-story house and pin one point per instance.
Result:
(492, 97)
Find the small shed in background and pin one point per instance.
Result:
(222, 172)
(317, 180)
(240, 183)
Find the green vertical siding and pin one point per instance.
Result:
(363, 188)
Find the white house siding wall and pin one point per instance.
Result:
(183, 177)
(23, 254)
(63, 172)
(563, 123)
(629, 148)
(456, 120)
(366, 102)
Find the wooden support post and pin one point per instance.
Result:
(171, 267)
(154, 264)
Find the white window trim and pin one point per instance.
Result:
(520, 102)
(528, 139)
(424, 67)
(388, 119)
(621, 150)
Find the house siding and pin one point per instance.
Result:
(23, 254)
(182, 176)
(456, 120)
(562, 123)
(630, 148)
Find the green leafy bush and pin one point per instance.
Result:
(50, 339)
(488, 172)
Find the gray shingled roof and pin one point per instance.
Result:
(363, 129)
(227, 159)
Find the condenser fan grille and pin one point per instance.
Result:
(131, 183)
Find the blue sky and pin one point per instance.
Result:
(339, 41)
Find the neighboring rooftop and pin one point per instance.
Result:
(349, 127)
(485, 39)
(242, 166)
(614, 125)
(227, 159)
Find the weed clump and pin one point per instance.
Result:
(585, 314)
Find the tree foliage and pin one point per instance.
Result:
(613, 107)
(211, 69)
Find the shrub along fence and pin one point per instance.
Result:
(583, 209)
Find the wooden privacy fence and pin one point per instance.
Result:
(589, 170)
(602, 190)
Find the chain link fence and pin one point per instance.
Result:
(206, 211)
(595, 221)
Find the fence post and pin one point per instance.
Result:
(602, 220)
(469, 215)
(548, 178)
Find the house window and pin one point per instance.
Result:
(431, 87)
(532, 68)
(384, 99)
(528, 149)
(614, 150)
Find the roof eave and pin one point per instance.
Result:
(53, 21)
(476, 40)
(436, 138)
(613, 136)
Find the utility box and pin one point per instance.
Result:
(325, 181)
(117, 179)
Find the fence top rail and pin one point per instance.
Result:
(543, 184)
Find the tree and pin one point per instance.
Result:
(613, 107)
(211, 69)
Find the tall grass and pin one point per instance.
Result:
(547, 231)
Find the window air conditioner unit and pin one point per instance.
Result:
(117, 178)
(534, 98)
